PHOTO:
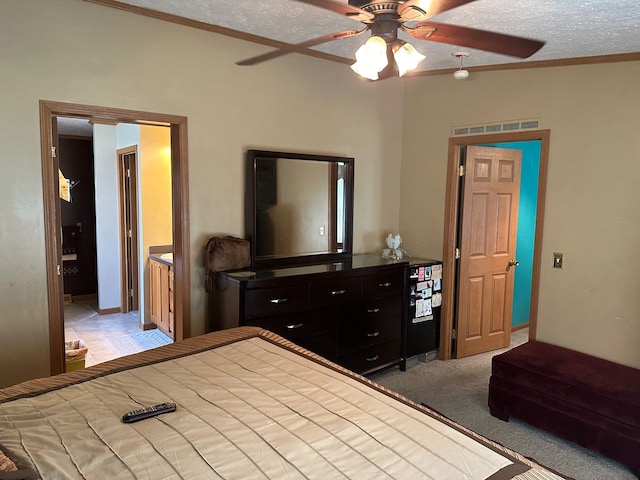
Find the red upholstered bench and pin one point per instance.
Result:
(590, 401)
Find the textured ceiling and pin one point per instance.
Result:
(570, 28)
(74, 126)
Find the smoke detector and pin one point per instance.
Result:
(461, 73)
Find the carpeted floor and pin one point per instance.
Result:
(459, 389)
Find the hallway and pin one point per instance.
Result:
(108, 336)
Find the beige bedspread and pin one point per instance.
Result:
(247, 409)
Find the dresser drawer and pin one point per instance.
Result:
(275, 301)
(367, 335)
(336, 291)
(383, 284)
(370, 312)
(372, 358)
(383, 309)
(297, 326)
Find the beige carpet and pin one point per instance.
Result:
(459, 389)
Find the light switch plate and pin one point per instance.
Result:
(557, 260)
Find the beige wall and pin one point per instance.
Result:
(79, 52)
(302, 207)
(592, 202)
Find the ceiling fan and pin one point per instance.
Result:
(384, 54)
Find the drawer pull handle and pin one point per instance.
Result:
(293, 326)
(373, 310)
(385, 284)
(373, 358)
(278, 300)
(373, 334)
(338, 292)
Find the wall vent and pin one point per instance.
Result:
(493, 127)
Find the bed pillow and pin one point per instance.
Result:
(9, 470)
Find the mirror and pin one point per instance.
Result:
(299, 208)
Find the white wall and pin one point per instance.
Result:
(127, 135)
(107, 216)
(80, 52)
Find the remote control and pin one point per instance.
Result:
(142, 413)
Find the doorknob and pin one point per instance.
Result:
(512, 263)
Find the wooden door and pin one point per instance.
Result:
(128, 187)
(487, 249)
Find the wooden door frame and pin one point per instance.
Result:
(451, 226)
(125, 265)
(180, 201)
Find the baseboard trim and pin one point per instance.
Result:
(520, 327)
(107, 311)
(148, 326)
(88, 297)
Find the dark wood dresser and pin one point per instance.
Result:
(350, 311)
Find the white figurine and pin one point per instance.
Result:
(393, 252)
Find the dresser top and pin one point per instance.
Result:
(355, 263)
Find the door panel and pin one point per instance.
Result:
(498, 315)
(128, 174)
(488, 243)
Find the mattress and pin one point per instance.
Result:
(250, 405)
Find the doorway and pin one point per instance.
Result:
(452, 229)
(49, 111)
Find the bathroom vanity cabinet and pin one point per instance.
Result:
(161, 294)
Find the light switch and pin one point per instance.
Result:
(557, 260)
(322, 230)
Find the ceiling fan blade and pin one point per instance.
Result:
(301, 46)
(473, 38)
(417, 10)
(343, 9)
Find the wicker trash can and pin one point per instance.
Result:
(75, 352)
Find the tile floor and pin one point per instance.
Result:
(108, 336)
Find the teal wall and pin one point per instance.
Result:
(526, 226)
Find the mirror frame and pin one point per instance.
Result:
(251, 195)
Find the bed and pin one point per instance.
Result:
(250, 405)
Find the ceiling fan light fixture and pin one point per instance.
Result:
(365, 71)
(407, 57)
(461, 74)
(371, 57)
